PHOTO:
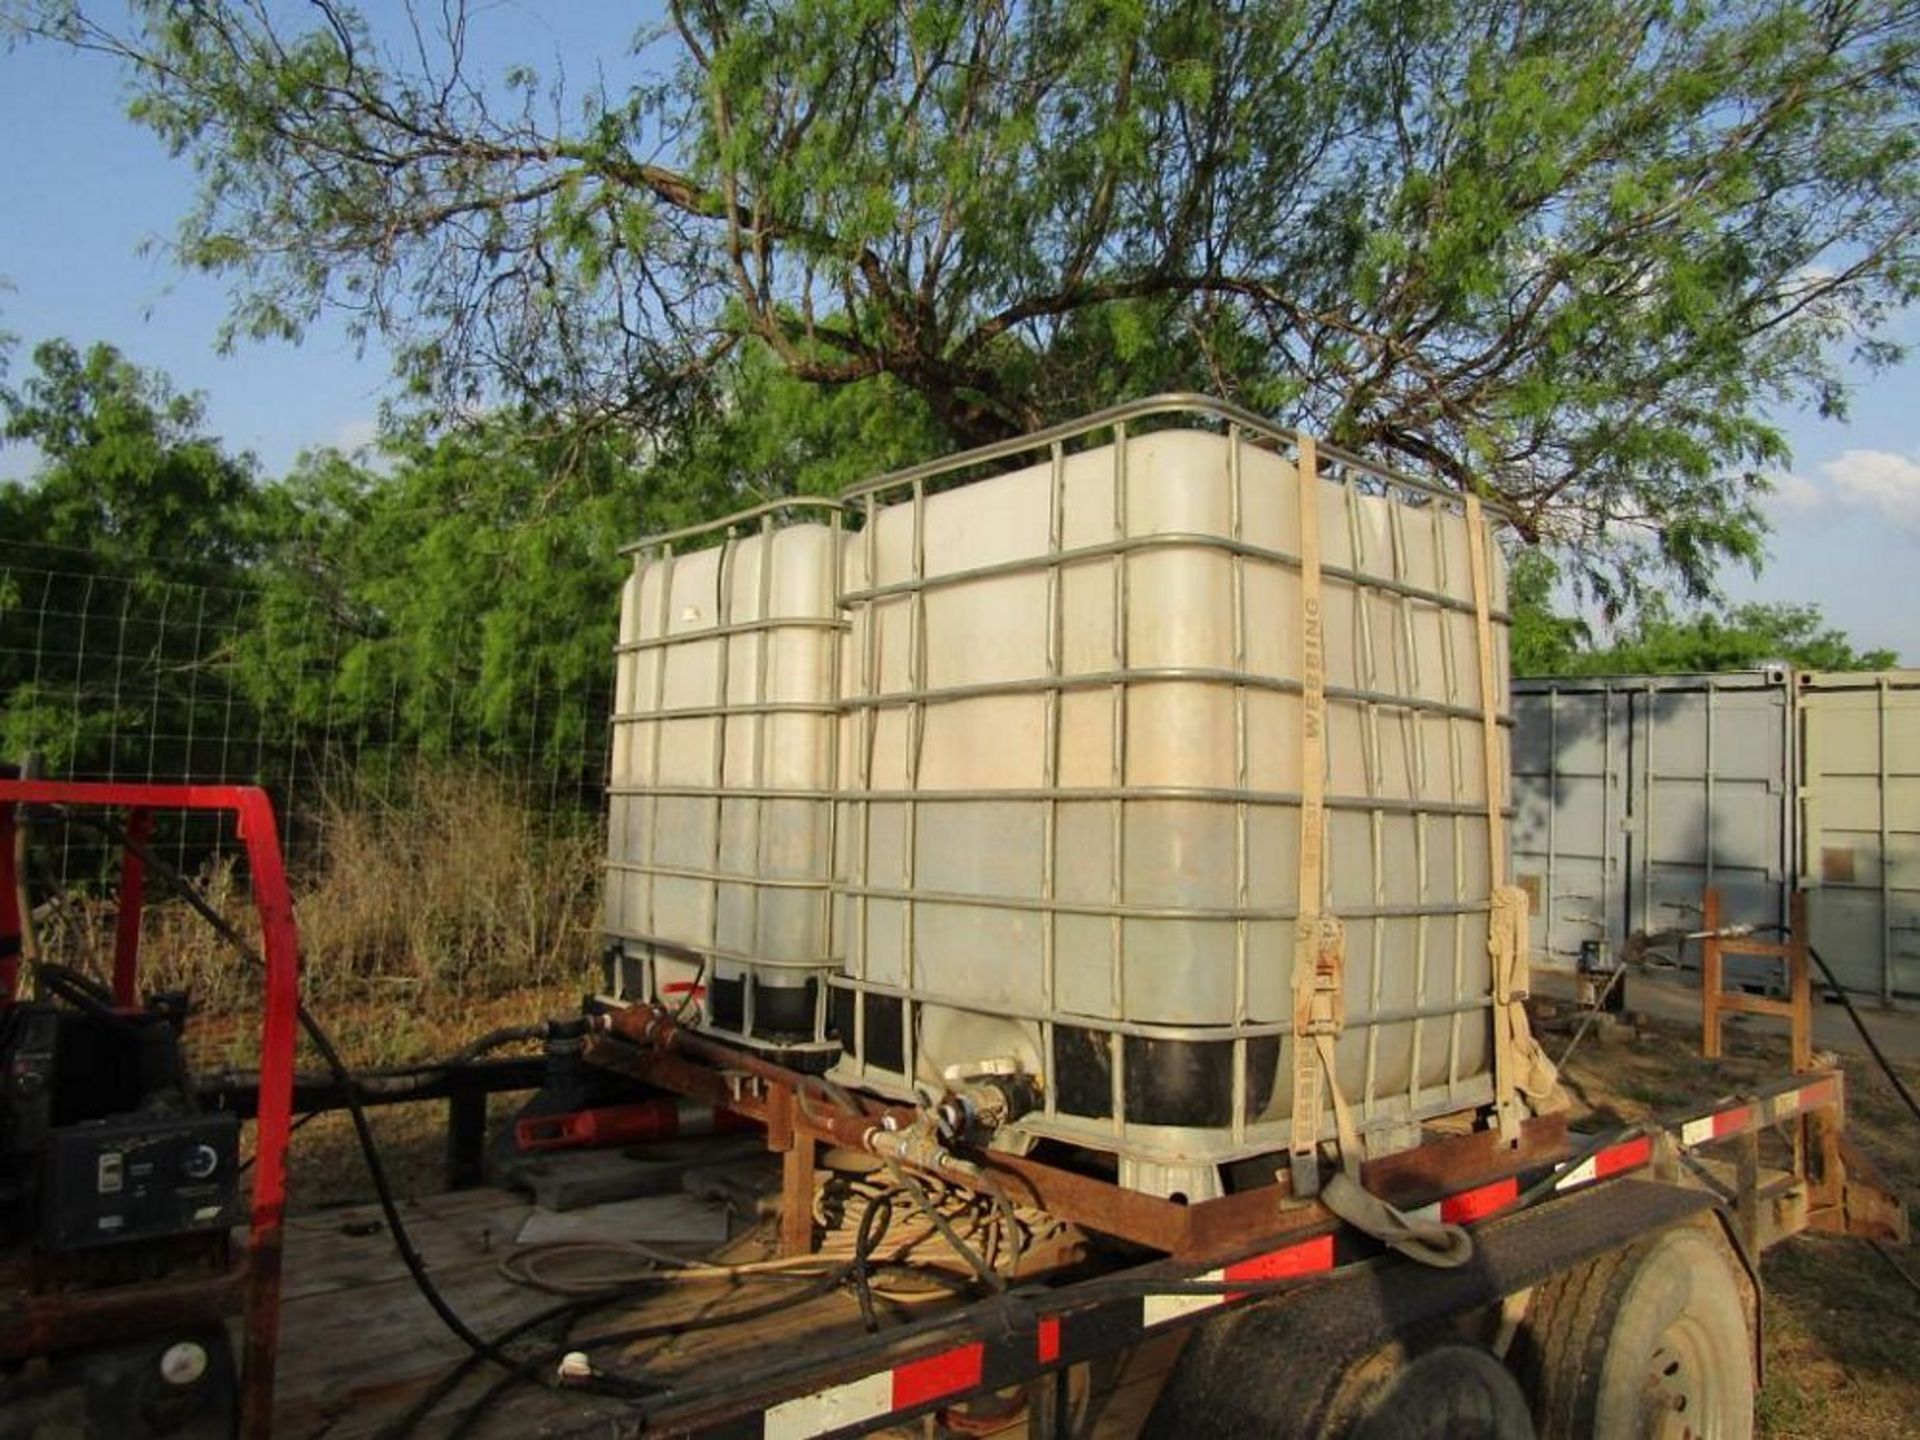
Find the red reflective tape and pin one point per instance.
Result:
(1732, 1122)
(937, 1376)
(1816, 1095)
(1049, 1344)
(1471, 1205)
(1309, 1257)
(1628, 1156)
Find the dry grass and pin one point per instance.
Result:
(420, 910)
(427, 922)
(1842, 1345)
(460, 891)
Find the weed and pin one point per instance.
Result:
(419, 909)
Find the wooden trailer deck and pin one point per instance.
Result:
(361, 1350)
(359, 1345)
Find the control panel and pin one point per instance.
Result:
(139, 1176)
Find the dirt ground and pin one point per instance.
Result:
(1842, 1347)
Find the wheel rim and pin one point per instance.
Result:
(1681, 1399)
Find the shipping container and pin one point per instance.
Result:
(1860, 826)
(1633, 794)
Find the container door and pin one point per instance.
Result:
(1569, 750)
(1633, 794)
(1707, 806)
(1860, 827)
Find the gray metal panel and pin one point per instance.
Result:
(1860, 826)
(1568, 744)
(1634, 793)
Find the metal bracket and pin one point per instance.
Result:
(1319, 1010)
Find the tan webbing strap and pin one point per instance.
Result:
(1313, 687)
(1507, 904)
(1489, 700)
(1319, 941)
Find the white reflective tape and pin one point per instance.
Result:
(1587, 1169)
(867, 1398)
(1158, 1309)
(1787, 1104)
(1428, 1213)
(1697, 1132)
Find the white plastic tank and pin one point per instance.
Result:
(720, 801)
(1070, 787)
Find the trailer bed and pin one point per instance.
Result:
(360, 1347)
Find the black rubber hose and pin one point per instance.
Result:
(79, 990)
(527, 1369)
(989, 1277)
(452, 1380)
(1544, 1186)
(875, 1221)
(1873, 1046)
(493, 1040)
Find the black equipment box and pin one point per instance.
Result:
(139, 1176)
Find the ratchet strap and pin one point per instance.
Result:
(1319, 941)
(1439, 1243)
(1320, 952)
(1520, 1066)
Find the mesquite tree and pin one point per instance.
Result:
(1573, 254)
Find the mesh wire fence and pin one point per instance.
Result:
(163, 676)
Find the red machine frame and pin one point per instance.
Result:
(51, 1322)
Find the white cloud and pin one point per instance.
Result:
(1881, 483)
(1878, 480)
(1796, 494)
(353, 436)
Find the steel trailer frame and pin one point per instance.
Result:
(1536, 1208)
(36, 1324)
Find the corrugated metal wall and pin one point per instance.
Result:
(1632, 794)
(1859, 825)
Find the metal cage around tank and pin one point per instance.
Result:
(721, 775)
(1411, 725)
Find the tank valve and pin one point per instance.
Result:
(975, 1108)
(920, 1146)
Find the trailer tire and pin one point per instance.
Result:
(1452, 1392)
(1651, 1340)
(1424, 1388)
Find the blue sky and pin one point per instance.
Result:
(90, 200)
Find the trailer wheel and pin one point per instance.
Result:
(1652, 1340)
(1451, 1392)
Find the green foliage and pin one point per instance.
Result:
(462, 599)
(120, 562)
(1662, 642)
(127, 475)
(1540, 641)
(156, 601)
(777, 435)
(1744, 637)
(1573, 254)
(460, 602)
